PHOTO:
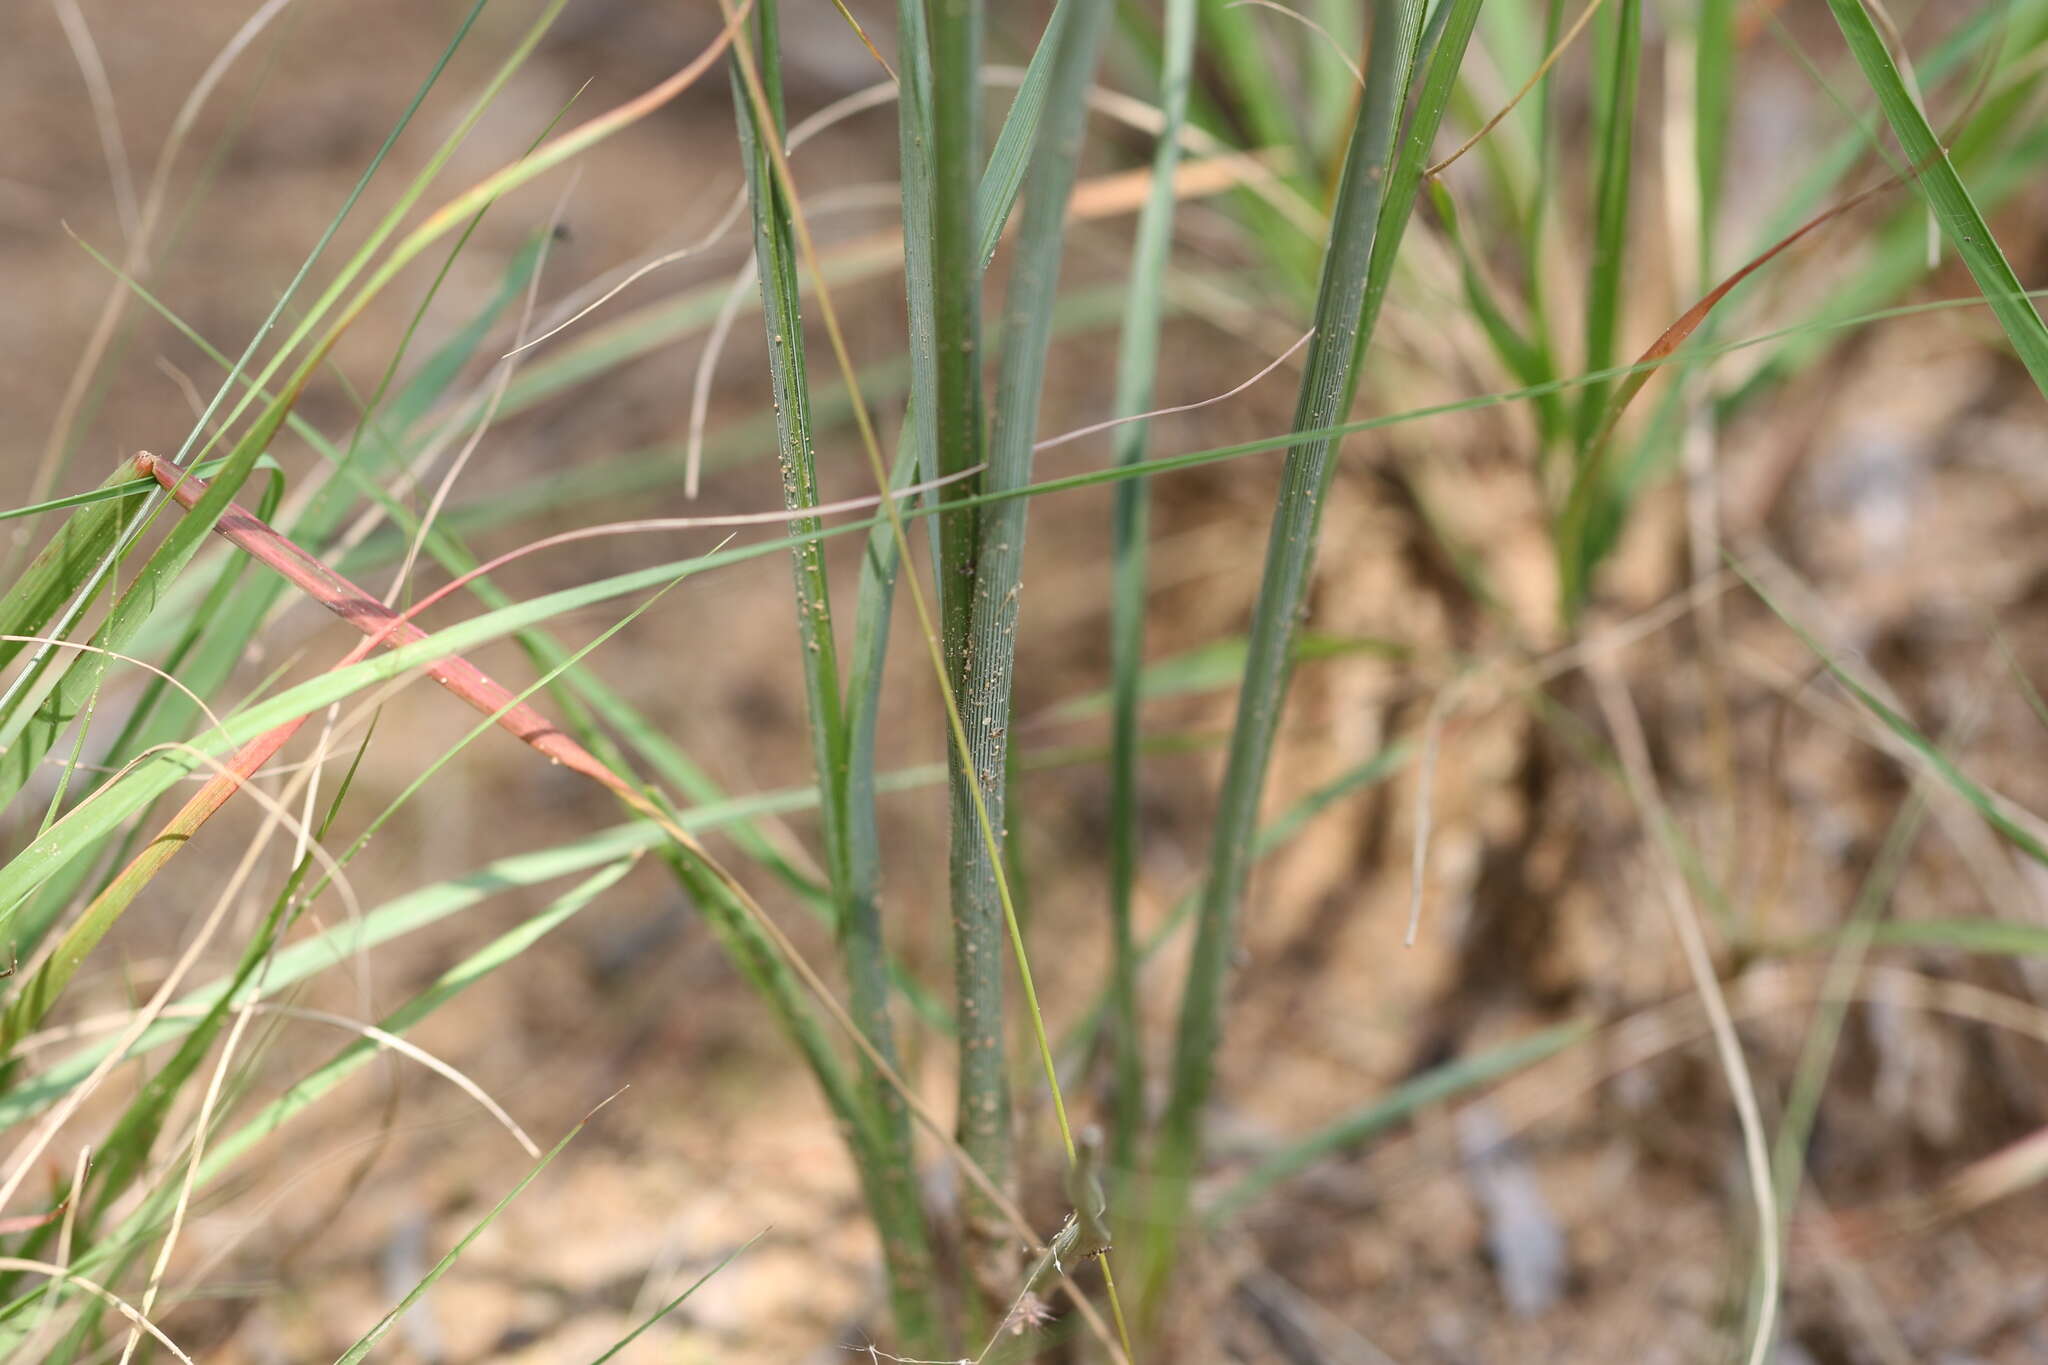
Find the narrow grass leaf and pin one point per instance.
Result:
(35, 598)
(679, 1300)
(225, 1151)
(135, 605)
(1431, 1087)
(1954, 209)
(1939, 764)
(1136, 384)
(1217, 665)
(881, 1145)
(1996, 937)
(982, 911)
(356, 1353)
(996, 196)
(1615, 115)
(1334, 357)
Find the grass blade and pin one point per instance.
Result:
(881, 1146)
(981, 912)
(1713, 103)
(356, 1353)
(1615, 110)
(679, 1300)
(1255, 81)
(128, 1240)
(1332, 378)
(33, 600)
(136, 605)
(1945, 192)
(1431, 1087)
(997, 194)
(954, 28)
(1987, 804)
(1136, 383)
(1996, 937)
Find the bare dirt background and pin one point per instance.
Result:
(1901, 478)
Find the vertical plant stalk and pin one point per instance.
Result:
(954, 29)
(1358, 262)
(1578, 532)
(953, 131)
(1616, 101)
(986, 676)
(884, 1154)
(1136, 383)
(828, 314)
(1535, 236)
(1713, 104)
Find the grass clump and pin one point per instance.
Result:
(1395, 130)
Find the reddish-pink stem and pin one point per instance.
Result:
(382, 626)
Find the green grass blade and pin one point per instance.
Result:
(1334, 361)
(430, 905)
(63, 697)
(1220, 664)
(780, 289)
(34, 599)
(953, 172)
(80, 829)
(861, 941)
(1404, 178)
(1283, 828)
(678, 1301)
(1258, 91)
(465, 206)
(1899, 255)
(224, 1151)
(1524, 358)
(1136, 382)
(391, 219)
(1995, 937)
(1714, 62)
(134, 607)
(333, 503)
(124, 1152)
(142, 783)
(356, 1353)
(914, 159)
(1004, 177)
(954, 30)
(981, 912)
(1817, 1051)
(338, 946)
(1431, 1087)
(1939, 764)
(882, 1143)
(1330, 87)
(1934, 173)
(1621, 50)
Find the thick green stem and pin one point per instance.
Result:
(984, 682)
(955, 34)
(954, 159)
